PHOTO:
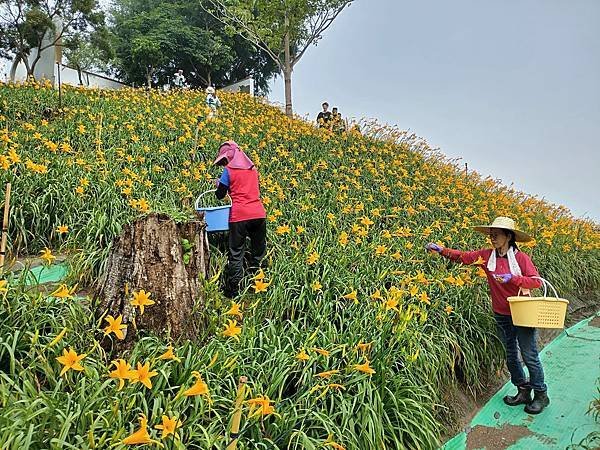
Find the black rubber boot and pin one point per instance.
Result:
(523, 397)
(540, 401)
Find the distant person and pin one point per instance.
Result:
(212, 101)
(179, 79)
(337, 122)
(324, 117)
(509, 271)
(247, 218)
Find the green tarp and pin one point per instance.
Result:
(572, 367)
(46, 274)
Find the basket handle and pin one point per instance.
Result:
(546, 283)
(196, 207)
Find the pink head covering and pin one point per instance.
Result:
(236, 158)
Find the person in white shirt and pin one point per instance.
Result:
(212, 101)
(179, 79)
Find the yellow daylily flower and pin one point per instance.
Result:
(169, 354)
(115, 326)
(62, 229)
(143, 374)
(199, 387)
(365, 368)
(141, 436)
(140, 299)
(232, 329)
(260, 286)
(62, 292)
(70, 360)
(168, 426)
(122, 372)
(260, 406)
(234, 310)
(47, 256)
(302, 355)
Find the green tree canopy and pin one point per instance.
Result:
(283, 29)
(154, 39)
(25, 23)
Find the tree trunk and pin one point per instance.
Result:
(150, 255)
(287, 71)
(149, 72)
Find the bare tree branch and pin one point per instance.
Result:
(250, 34)
(317, 32)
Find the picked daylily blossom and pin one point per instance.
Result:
(70, 360)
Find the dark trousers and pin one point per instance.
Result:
(523, 338)
(256, 230)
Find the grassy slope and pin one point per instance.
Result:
(387, 197)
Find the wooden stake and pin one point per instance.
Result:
(237, 414)
(4, 227)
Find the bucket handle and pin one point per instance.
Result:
(196, 207)
(546, 283)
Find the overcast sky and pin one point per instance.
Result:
(512, 87)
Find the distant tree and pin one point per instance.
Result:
(283, 29)
(153, 39)
(24, 25)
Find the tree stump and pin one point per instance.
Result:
(165, 259)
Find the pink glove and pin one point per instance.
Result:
(503, 277)
(217, 182)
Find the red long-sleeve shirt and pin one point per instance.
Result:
(500, 291)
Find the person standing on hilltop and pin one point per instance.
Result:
(212, 101)
(324, 117)
(337, 122)
(247, 217)
(509, 271)
(179, 79)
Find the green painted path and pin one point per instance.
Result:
(572, 367)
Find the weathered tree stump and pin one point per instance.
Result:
(161, 257)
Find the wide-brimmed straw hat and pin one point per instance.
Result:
(506, 223)
(210, 90)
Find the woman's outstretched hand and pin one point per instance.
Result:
(503, 277)
(434, 247)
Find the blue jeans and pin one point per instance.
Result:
(526, 338)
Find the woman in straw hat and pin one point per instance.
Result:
(509, 270)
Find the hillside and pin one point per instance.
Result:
(349, 284)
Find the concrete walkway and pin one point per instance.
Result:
(572, 368)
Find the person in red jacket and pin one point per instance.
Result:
(247, 217)
(509, 271)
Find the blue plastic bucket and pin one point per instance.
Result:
(216, 217)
